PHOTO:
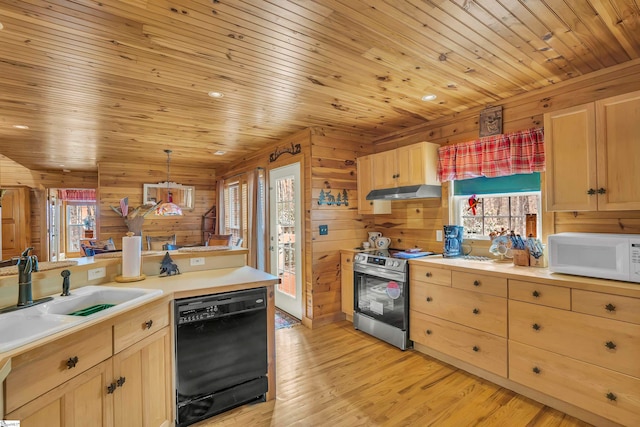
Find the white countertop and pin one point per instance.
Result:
(541, 275)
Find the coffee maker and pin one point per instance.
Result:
(452, 241)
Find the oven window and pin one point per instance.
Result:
(381, 299)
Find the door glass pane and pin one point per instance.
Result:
(80, 219)
(285, 217)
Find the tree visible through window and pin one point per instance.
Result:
(496, 212)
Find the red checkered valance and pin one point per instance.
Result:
(88, 195)
(491, 156)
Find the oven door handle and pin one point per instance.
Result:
(380, 273)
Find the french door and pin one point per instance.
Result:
(285, 237)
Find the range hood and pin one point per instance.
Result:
(409, 192)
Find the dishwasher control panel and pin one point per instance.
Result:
(209, 307)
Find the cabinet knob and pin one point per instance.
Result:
(610, 345)
(610, 307)
(429, 299)
(536, 370)
(536, 326)
(120, 381)
(428, 332)
(535, 294)
(602, 191)
(612, 397)
(111, 388)
(148, 324)
(476, 348)
(428, 274)
(476, 311)
(72, 362)
(591, 191)
(476, 283)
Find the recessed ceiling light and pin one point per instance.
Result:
(21, 126)
(429, 97)
(1, 27)
(216, 94)
(219, 153)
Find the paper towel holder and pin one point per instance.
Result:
(122, 279)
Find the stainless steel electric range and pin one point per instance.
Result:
(381, 294)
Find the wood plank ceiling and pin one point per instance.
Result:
(122, 80)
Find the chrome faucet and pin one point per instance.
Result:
(26, 264)
(65, 283)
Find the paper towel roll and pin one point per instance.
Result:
(131, 256)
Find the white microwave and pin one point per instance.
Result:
(607, 256)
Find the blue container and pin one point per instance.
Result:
(452, 241)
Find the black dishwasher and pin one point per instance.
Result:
(221, 353)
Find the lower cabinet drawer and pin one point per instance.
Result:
(604, 392)
(422, 272)
(43, 368)
(603, 342)
(487, 313)
(615, 307)
(538, 293)
(481, 349)
(480, 283)
(133, 327)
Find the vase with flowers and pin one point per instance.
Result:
(133, 219)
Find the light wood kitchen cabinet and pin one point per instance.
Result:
(346, 283)
(594, 388)
(468, 325)
(80, 380)
(481, 349)
(365, 185)
(475, 310)
(608, 343)
(414, 164)
(16, 222)
(143, 381)
(586, 147)
(80, 401)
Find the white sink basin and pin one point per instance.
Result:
(30, 324)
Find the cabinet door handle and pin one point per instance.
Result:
(428, 274)
(610, 345)
(536, 370)
(535, 294)
(111, 388)
(428, 332)
(476, 348)
(601, 190)
(148, 324)
(72, 362)
(591, 192)
(612, 397)
(476, 311)
(120, 381)
(536, 326)
(610, 307)
(476, 283)
(429, 299)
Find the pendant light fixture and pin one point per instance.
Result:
(168, 208)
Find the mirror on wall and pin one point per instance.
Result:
(181, 195)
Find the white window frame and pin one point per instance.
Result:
(458, 200)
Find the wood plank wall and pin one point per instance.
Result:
(118, 180)
(14, 174)
(414, 222)
(333, 169)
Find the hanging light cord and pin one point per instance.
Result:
(170, 199)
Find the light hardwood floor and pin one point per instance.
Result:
(337, 376)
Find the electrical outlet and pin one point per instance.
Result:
(196, 261)
(438, 235)
(324, 230)
(96, 273)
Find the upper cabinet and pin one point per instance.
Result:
(593, 156)
(365, 185)
(414, 164)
